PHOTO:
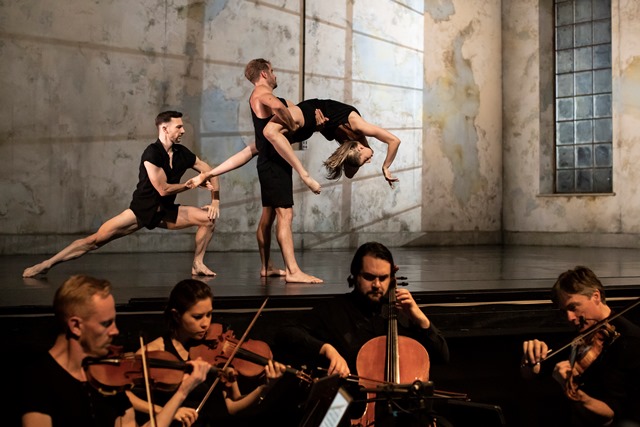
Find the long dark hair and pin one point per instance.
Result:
(184, 295)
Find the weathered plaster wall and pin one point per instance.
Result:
(462, 164)
(532, 215)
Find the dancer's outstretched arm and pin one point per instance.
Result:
(239, 159)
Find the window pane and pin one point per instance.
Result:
(583, 180)
(565, 182)
(564, 61)
(564, 85)
(602, 56)
(602, 131)
(602, 81)
(564, 37)
(564, 13)
(603, 155)
(584, 131)
(564, 109)
(602, 105)
(584, 83)
(601, 9)
(584, 156)
(565, 158)
(602, 180)
(583, 34)
(584, 107)
(602, 32)
(564, 133)
(583, 60)
(583, 10)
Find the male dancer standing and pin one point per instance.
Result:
(274, 173)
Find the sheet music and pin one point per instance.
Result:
(338, 407)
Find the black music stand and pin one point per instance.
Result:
(403, 405)
(326, 404)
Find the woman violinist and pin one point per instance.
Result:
(188, 315)
(54, 389)
(339, 327)
(602, 377)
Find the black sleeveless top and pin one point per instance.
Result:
(266, 151)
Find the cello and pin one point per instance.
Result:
(391, 360)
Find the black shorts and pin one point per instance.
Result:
(166, 214)
(276, 184)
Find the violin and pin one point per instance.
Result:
(249, 359)
(584, 352)
(236, 351)
(119, 372)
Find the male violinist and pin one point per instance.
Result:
(608, 390)
(337, 329)
(55, 390)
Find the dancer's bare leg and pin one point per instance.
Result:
(273, 132)
(119, 226)
(263, 235)
(285, 240)
(189, 216)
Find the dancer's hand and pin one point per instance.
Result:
(196, 181)
(387, 175)
(312, 184)
(320, 120)
(213, 210)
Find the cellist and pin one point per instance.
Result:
(601, 377)
(334, 331)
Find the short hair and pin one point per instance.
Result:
(184, 295)
(346, 153)
(73, 297)
(580, 280)
(166, 116)
(255, 67)
(374, 249)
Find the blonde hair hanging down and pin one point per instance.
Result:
(347, 153)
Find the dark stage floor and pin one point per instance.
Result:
(435, 275)
(485, 299)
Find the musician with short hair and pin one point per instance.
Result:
(54, 388)
(607, 391)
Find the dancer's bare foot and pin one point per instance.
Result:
(199, 269)
(301, 277)
(272, 272)
(312, 184)
(33, 271)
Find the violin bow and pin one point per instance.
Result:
(145, 373)
(593, 328)
(233, 354)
